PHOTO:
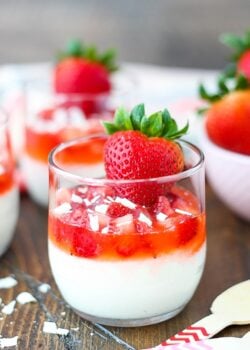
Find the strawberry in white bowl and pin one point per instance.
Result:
(226, 141)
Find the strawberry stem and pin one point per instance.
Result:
(158, 124)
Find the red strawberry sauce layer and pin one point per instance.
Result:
(45, 134)
(39, 144)
(6, 180)
(94, 223)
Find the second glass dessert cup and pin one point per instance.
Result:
(9, 194)
(117, 262)
(52, 118)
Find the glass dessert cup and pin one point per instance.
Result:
(55, 118)
(9, 195)
(117, 262)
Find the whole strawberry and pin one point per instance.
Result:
(241, 54)
(142, 147)
(82, 70)
(228, 122)
(228, 114)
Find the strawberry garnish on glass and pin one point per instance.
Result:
(85, 73)
(142, 147)
(82, 69)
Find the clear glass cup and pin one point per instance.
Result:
(9, 195)
(135, 266)
(53, 118)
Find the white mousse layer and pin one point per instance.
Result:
(127, 289)
(37, 177)
(9, 209)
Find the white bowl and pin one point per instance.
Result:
(229, 176)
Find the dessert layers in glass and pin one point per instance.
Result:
(52, 118)
(117, 262)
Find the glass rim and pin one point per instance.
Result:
(103, 181)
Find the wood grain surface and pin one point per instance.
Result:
(228, 262)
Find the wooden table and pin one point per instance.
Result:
(228, 262)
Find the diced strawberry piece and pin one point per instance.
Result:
(187, 229)
(141, 227)
(79, 215)
(116, 210)
(101, 192)
(163, 206)
(183, 202)
(84, 244)
(143, 220)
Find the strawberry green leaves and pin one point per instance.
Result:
(236, 75)
(239, 44)
(137, 114)
(75, 48)
(122, 118)
(240, 62)
(122, 121)
(152, 125)
(225, 85)
(158, 124)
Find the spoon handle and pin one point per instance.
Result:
(203, 329)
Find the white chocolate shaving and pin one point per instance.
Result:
(25, 297)
(76, 199)
(63, 209)
(161, 217)
(101, 208)
(51, 328)
(7, 342)
(44, 288)
(9, 308)
(7, 282)
(143, 218)
(125, 202)
(93, 222)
